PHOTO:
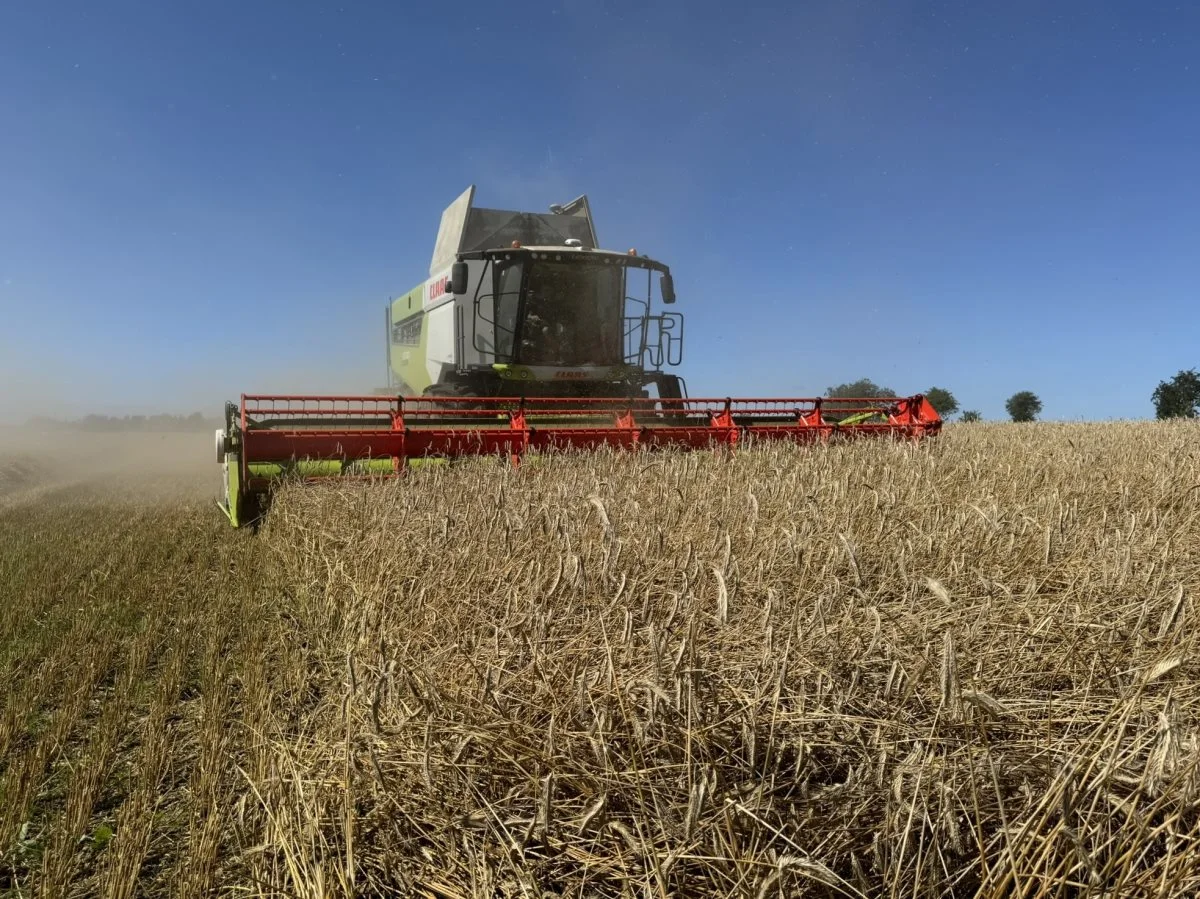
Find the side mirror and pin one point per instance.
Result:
(668, 289)
(458, 278)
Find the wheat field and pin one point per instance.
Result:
(962, 668)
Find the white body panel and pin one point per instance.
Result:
(439, 305)
(437, 290)
(454, 221)
(440, 342)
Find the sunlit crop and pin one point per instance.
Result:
(966, 667)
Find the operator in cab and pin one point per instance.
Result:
(571, 319)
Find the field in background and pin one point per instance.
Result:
(966, 668)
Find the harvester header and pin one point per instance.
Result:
(526, 338)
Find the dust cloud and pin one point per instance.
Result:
(40, 466)
(57, 463)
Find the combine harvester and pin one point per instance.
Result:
(526, 337)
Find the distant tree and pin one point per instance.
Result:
(970, 416)
(862, 388)
(1023, 406)
(942, 400)
(1179, 397)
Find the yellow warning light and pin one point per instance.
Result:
(633, 252)
(516, 245)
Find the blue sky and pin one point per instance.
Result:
(202, 199)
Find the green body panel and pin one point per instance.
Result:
(860, 418)
(408, 359)
(315, 468)
(233, 510)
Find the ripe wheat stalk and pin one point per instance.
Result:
(967, 667)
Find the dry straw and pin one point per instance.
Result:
(958, 669)
(966, 668)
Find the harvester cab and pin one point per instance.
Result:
(526, 337)
(526, 304)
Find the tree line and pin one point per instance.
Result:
(1022, 406)
(126, 423)
(1178, 397)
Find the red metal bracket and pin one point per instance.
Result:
(517, 423)
(722, 423)
(399, 459)
(629, 432)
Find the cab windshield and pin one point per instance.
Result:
(560, 313)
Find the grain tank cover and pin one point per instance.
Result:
(466, 228)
